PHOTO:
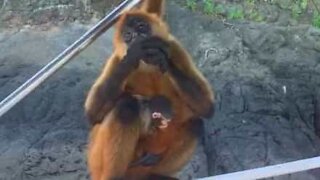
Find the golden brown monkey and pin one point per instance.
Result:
(148, 63)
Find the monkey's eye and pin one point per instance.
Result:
(143, 28)
(128, 36)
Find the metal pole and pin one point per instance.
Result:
(270, 171)
(64, 57)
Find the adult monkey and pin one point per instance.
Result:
(147, 63)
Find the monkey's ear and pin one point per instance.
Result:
(153, 6)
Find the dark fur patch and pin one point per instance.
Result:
(211, 111)
(197, 127)
(147, 160)
(187, 84)
(117, 178)
(160, 177)
(161, 104)
(107, 94)
(127, 109)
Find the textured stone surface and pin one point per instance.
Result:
(44, 137)
(35, 12)
(18, 12)
(266, 79)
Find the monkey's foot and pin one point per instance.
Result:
(148, 159)
(164, 122)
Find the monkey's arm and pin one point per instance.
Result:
(192, 85)
(109, 86)
(107, 89)
(113, 142)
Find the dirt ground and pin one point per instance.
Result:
(266, 78)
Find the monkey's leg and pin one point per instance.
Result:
(176, 159)
(180, 151)
(113, 142)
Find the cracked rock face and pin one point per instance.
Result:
(37, 12)
(266, 80)
(18, 12)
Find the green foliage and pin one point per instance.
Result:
(296, 10)
(304, 4)
(191, 4)
(208, 7)
(316, 19)
(235, 13)
(219, 9)
(250, 9)
(256, 16)
(250, 2)
(298, 7)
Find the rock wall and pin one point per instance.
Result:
(38, 12)
(266, 79)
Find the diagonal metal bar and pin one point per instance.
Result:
(64, 57)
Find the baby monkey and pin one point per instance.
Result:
(155, 112)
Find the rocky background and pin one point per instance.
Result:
(266, 78)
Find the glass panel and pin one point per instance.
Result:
(261, 59)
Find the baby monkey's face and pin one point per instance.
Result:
(156, 112)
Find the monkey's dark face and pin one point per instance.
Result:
(135, 28)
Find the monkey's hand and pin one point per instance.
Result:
(157, 53)
(161, 121)
(135, 52)
(151, 50)
(147, 160)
